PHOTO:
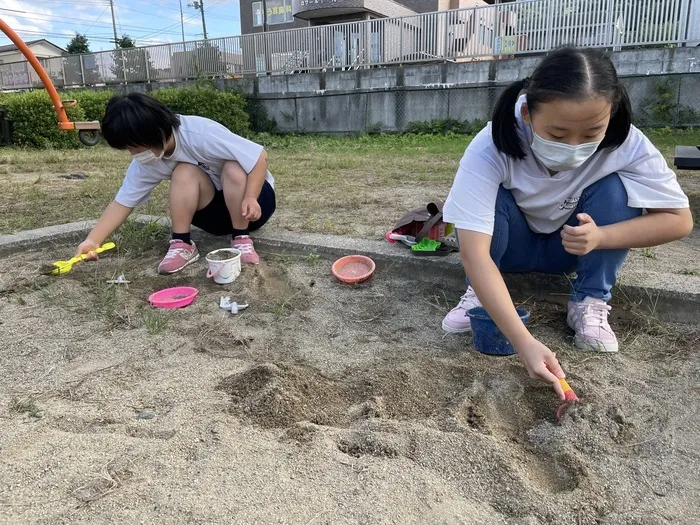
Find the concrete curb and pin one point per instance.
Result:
(665, 300)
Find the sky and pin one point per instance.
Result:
(146, 21)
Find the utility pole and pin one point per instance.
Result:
(114, 25)
(200, 5)
(266, 28)
(116, 42)
(264, 8)
(182, 22)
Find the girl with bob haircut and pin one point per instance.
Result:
(560, 181)
(219, 181)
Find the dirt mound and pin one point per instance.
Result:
(370, 444)
(279, 395)
(415, 389)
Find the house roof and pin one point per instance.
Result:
(30, 43)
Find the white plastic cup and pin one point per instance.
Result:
(224, 271)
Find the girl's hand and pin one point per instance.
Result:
(251, 209)
(581, 239)
(541, 364)
(88, 248)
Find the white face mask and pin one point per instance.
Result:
(147, 157)
(558, 156)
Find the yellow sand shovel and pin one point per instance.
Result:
(61, 267)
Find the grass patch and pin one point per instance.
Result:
(354, 186)
(136, 238)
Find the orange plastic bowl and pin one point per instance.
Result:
(353, 269)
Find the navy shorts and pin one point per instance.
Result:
(215, 219)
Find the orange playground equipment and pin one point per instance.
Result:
(88, 132)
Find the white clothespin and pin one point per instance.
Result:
(119, 280)
(232, 306)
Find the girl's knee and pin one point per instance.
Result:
(505, 202)
(606, 201)
(612, 188)
(185, 171)
(233, 173)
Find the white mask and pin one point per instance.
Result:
(147, 157)
(558, 156)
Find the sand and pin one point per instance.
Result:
(324, 404)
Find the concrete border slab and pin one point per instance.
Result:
(671, 298)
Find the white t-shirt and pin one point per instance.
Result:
(548, 201)
(199, 141)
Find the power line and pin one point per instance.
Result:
(42, 17)
(164, 29)
(54, 35)
(96, 19)
(71, 2)
(162, 6)
(148, 32)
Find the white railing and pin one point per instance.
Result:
(489, 31)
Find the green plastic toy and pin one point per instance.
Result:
(426, 245)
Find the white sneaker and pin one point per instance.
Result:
(589, 319)
(457, 321)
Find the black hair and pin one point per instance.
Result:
(566, 73)
(137, 120)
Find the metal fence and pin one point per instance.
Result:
(490, 31)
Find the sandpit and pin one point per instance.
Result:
(323, 404)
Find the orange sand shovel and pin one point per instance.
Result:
(569, 398)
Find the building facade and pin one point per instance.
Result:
(41, 49)
(258, 16)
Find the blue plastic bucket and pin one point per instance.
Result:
(488, 339)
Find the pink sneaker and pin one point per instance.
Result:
(244, 244)
(589, 319)
(457, 322)
(179, 255)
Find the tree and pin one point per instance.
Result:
(75, 73)
(78, 44)
(130, 61)
(126, 42)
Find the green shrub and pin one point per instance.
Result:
(222, 106)
(257, 113)
(441, 127)
(93, 103)
(663, 109)
(34, 122)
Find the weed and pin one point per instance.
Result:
(285, 305)
(312, 258)
(284, 261)
(649, 253)
(156, 321)
(692, 272)
(25, 406)
(105, 296)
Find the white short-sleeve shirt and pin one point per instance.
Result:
(547, 201)
(199, 141)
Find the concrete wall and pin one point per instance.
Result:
(390, 98)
